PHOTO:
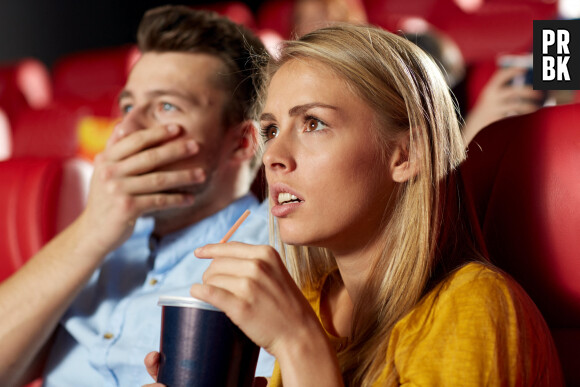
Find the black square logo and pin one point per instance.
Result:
(557, 54)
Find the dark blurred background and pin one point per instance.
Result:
(48, 29)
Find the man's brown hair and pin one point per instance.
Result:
(184, 29)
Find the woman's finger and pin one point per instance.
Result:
(219, 297)
(236, 250)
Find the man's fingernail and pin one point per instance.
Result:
(173, 128)
(199, 174)
(192, 146)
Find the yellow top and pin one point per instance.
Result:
(477, 328)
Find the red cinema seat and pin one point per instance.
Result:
(61, 130)
(236, 11)
(5, 137)
(24, 84)
(93, 75)
(38, 198)
(276, 15)
(522, 175)
(48, 132)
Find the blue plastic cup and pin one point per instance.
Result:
(201, 347)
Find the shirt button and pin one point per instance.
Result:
(152, 281)
(108, 336)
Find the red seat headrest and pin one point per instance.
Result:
(523, 176)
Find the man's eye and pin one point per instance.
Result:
(313, 124)
(168, 107)
(269, 132)
(126, 108)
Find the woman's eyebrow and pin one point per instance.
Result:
(267, 117)
(300, 109)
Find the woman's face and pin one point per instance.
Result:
(329, 185)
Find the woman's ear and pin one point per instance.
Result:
(404, 162)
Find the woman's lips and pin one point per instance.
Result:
(285, 200)
(282, 210)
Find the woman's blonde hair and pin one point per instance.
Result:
(410, 97)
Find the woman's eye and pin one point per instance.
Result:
(269, 132)
(313, 124)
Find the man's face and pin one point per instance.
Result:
(179, 88)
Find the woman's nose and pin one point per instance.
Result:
(278, 155)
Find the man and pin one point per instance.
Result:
(175, 175)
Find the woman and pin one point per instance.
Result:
(387, 288)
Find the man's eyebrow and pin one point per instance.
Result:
(298, 110)
(173, 93)
(160, 92)
(124, 94)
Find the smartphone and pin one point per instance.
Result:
(525, 61)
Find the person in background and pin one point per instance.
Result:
(378, 280)
(175, 175)
(308, 15)
(500, 97)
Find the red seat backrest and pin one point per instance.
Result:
(93, 74)
(523, 177)
(276, 15)
(39, 197)
(24, 84)
(48, 132)
(236, 11)
(5, 136)
(29, 193)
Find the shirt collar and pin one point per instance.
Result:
(179, 244)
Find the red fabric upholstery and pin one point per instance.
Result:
(523, 177)
(38, 198)
(276, 15)
(495, 27)
(29, 193)
(24, 84)
(478, 75)
(5, 136)
(236, 11)
(93, 74)
(49, 132)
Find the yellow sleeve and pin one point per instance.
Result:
(472, 330)
(276, 379)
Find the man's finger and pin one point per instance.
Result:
(152, 364)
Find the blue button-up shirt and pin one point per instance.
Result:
(115, 321)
